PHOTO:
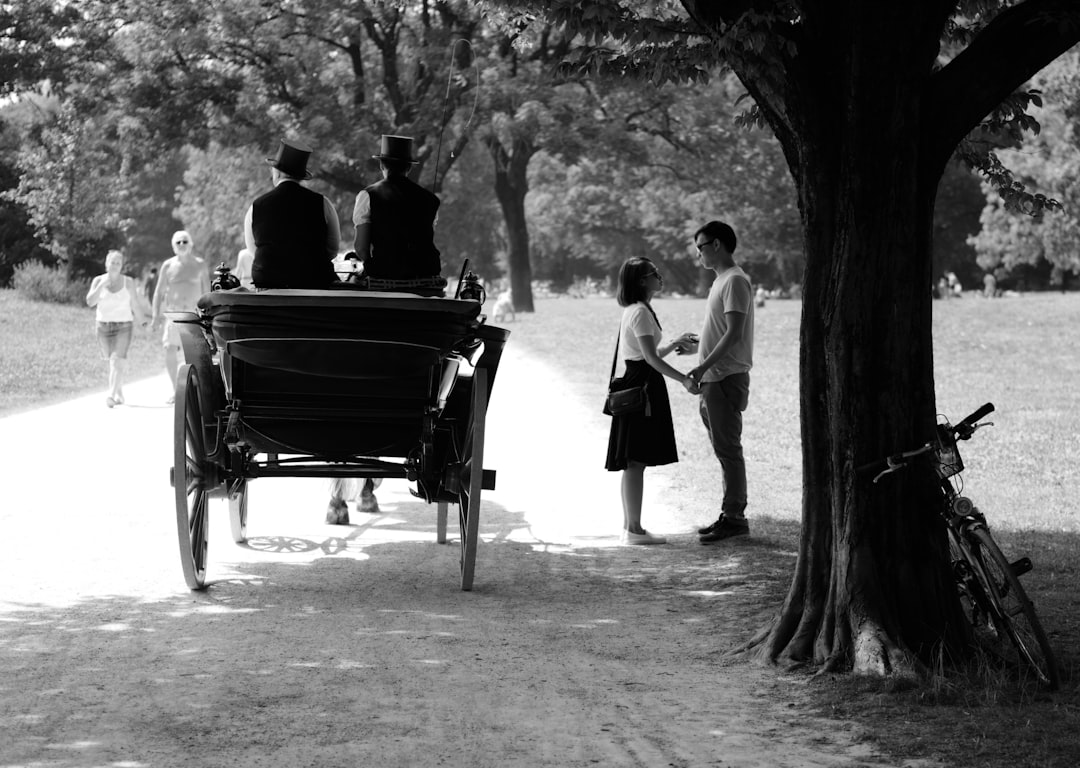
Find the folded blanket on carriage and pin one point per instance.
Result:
(425, 286)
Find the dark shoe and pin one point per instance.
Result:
(725, 528)
(709, 528)
(337, 512)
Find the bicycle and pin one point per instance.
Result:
(994, 602)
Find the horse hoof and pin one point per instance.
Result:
(337, 514)
(369, 504)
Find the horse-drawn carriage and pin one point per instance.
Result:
(331, 383)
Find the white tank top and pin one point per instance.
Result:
(115, 307)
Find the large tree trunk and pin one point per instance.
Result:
(868, 117)
(871, 589)
(511, 186)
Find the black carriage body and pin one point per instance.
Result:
(334, 384)
(336, 375)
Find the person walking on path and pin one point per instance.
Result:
(647, 438)
(117, 300)
(292, 232)
(181, 281)
(726, 350)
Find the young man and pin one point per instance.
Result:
(395, 219)
(726, 350)
(181, 281)
(291, 231)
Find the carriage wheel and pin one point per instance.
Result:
(238, 511)
(191, 478)
(472, 478)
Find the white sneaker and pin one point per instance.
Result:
(642, 538)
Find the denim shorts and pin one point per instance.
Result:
(115, 338)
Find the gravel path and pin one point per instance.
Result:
(352, 645)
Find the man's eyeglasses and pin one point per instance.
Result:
(181, 242)
(699, 246)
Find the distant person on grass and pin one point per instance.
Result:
(726, 352)
(645, 439)
(181, 281)
(118, 302)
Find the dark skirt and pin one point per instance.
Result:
(649, 439)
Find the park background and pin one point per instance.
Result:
(559, 183)
(143, 123)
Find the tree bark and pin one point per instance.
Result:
(867, 121)
(872, 590)
(511, 186)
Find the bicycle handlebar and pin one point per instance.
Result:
(966, 426)
(963, 430)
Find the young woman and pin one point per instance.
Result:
(116, 297)
(645, 439)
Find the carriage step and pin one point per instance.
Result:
(1021, 566)
(487, 481)
(172, 476)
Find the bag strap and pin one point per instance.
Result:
(615, 355)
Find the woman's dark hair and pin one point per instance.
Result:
(631, 279)
(631, 273)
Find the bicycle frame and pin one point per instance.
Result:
(994, 602)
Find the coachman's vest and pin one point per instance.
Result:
(402, 231)
(289, 227)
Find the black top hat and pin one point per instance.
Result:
(292, 157)
(395, 148)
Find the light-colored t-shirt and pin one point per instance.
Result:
(730, 292)
(637, 321)
(115, 306)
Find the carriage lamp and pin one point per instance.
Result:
(471, 289)
(224, 279)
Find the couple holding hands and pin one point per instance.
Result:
(721, 379)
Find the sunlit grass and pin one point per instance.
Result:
(1019, 353)
(1015, 352)
(49, 352)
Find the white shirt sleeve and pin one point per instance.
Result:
(361, 213)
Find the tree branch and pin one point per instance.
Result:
(1013, 47)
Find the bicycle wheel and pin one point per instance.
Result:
(1012, 612)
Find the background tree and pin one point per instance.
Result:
(180, 73)
(960, 200)
(868, 106)
(1025, 250)
(686, 156)
(17, 238)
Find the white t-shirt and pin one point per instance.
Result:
(637, 320)
(730, 292)
(115, 306)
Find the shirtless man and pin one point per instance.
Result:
(181, 281)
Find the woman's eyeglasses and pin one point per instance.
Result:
(181, 242)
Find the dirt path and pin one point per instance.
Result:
(351, 646)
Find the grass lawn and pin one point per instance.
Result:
(1019, 353)
(50, 352)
